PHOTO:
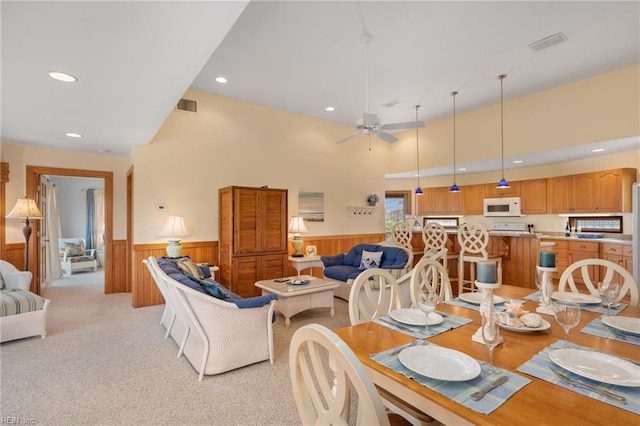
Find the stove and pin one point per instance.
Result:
(509, 227)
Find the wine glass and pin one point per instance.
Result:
(427, 302)
(568, 316)
(490, 336)
(609, 293)
(539, 281)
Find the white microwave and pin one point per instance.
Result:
(501, 207)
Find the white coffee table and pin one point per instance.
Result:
(293, 299)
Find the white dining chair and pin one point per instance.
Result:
(432, 275)
(591, 271)
(474, 239)
(402, 234)
(324, 374)
(374, 293)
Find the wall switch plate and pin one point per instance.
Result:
(161, 207)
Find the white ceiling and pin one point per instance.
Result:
(134, 60)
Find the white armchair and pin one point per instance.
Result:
(13, 278)
(75, 257)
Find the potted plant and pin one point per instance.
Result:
(373, 199)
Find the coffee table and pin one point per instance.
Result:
(293, 299)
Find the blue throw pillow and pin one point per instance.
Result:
(216, 290)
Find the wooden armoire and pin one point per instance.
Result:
(253, 237)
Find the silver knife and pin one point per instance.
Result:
(482, 392)
(580, 384)
(400, 326)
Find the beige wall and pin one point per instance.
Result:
(20, 157)
(602, 108)
(230, 142)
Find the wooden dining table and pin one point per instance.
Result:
(537, 403)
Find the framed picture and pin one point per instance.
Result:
(311, 251)
(311, 206)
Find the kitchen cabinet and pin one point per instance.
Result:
(606, 191)
(618, 254)
(253, 237)
(579, 250)
(424, 202)
(534, 196)
(473, 200)
(561, 249)
(490, 190)
(439, 201)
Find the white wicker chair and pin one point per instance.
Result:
(221, 336)
(168, 319)
(25, 324)
(83, 260)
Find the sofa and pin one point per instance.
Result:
(215, 329)
(22, 313)
(345, 267)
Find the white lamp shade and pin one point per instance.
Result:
(174, 227)
(25, 208)
(296, 225)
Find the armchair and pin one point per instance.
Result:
(74, 256)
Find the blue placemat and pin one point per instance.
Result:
(499, 307)
(595, 307)
(460, 391)
(419, 332)
(539, 366)
(597, 328)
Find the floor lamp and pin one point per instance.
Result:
(27, 210)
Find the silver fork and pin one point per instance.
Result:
(580, 384)
(401, 348)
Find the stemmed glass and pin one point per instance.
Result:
(609, 293)
(568, 316)
(490, 336)
(539, 281)
(427, 302)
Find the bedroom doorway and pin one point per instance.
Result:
(33, 179)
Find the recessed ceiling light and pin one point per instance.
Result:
(104, 151)
(462, 169)
(73, 135)
(61, 76)
(518, 161)
(597, 150)
(221, 79)
(330, 109)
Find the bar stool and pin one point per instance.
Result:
(402, 234)
(435, 239)
(474, 239)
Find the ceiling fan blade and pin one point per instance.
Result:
(386, 137)
(407, 125)
(349, 137)
(369, 119)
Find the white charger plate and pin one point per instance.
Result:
(415, 317)
(568, 297)
(625, 324)
(597, 366)
(440, 363)
(524, 329)
(476, 298)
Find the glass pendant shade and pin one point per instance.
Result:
(503, 184)
(418, 191)
(454, 188)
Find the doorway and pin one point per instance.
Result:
(33, 177)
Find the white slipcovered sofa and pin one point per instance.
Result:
(22, 313)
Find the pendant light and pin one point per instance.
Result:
(503, 183)
(454, 187)
(418, 189)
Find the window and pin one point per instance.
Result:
(612, 224)
(397, 204)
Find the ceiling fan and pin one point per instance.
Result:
(369, 124)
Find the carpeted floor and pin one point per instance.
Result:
(105, 363)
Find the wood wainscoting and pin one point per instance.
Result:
(14, 254)
(143, 288)
(333, 244)
(119, 283)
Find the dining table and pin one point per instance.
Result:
(539, 402)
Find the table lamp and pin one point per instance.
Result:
(296, 226)
(174, 228)
(27, 210)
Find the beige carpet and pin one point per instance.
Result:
(105, 363)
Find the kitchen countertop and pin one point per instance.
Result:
(622, 239)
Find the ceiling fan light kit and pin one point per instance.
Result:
(370, 124)
(503, 184)
(454, 187)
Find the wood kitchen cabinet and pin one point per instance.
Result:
(606, 191)
(534, 196)
(490, 190)
(253, 237)
(579, 250)
(439, 201)
(473, 199)
(618, 254)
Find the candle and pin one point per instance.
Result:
(547, 259)
(487, 272)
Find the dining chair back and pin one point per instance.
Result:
(474, 239)
(435, 238)
(324, 374)
(591, 271)
(431, 275)
(374, 293)
(402, 234)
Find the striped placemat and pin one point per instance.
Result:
(540, 366)
(597, 328)
(594, 307)
(460, 391)
(449, 322)
(457, 302)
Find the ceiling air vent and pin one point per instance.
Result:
(548, 42)
(391, 103)
(188, 105)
